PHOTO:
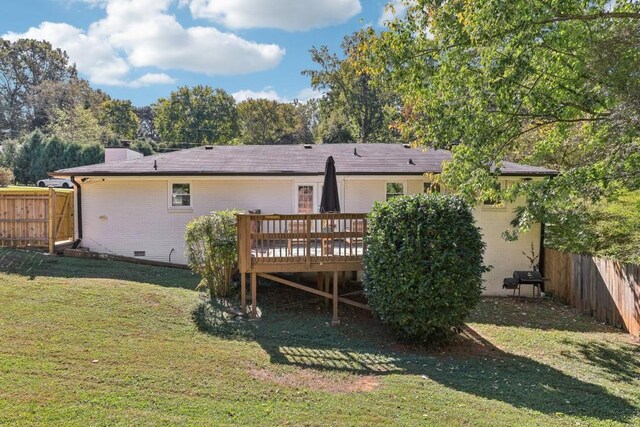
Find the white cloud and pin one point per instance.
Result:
(152, 79)
(142, 33)
(392, 10)
(308, 93)
(266, 93)
(93, 56)
(291, 15)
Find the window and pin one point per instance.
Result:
(305, 199)
(180, 195)
(495, 201)
(394, 189)
(431, 187)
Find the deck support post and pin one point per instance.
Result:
(254, 286)
(335, 321)
(326, 288)
(243, 292)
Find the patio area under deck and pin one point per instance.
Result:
(298, 243)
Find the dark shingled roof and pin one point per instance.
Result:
(370, 159)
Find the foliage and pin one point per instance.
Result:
(24, 65)
(333, 127)
(264, 121)
(119, 117)
(80, 125)
(147, 128)
(50, 97)
(144, 146)
(34, 155)
(617, 228)
(198, 115)
(9, 153)
(6, 177)
(552, 83)
(423, 265)
(350, 93)
(212, 249)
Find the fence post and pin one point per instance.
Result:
(52, 220)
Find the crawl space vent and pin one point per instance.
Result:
(139, 253)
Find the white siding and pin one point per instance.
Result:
(504, 256)
(122, 216)
(360, 194)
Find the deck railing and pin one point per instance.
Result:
(301, 242)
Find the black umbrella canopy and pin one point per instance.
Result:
(330, 201)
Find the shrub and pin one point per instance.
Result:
(212, 251)
(6, 177)
(423, 265)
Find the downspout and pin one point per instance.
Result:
(78, 204)
(541, 250)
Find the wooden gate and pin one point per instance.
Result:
(35, 217)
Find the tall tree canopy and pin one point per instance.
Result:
(198, 115)
(350, 98)
(264, 121)
(120, 118)
(549, 82)
(25, 65)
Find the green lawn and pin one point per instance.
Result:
(86, 342)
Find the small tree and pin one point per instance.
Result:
(423, 265)
(6, 177)
(212, 251)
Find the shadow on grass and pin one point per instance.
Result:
(543, 314)
(33, 264)
(306, 341)
(620, 363)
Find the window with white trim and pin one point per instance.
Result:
(305, 199)
(394, 189)
(180, 195)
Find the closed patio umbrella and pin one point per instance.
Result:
(330, 201)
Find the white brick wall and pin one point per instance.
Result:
(121, 216)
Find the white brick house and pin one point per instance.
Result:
(139, 207)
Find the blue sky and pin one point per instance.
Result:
(143, 49)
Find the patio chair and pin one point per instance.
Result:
(511, 283)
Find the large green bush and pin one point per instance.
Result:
(423, 265)
(212, 250)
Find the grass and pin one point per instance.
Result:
(91, 342)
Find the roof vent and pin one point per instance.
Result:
(155, 165)
(406, 145)
(208, 147)
(355, 152)
(410, 162)
(307, 146)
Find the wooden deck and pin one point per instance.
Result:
(320, 243)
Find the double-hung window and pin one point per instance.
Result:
(394, 189)
(180, 195)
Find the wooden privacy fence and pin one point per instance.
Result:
(35, 217)
(606, 289)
